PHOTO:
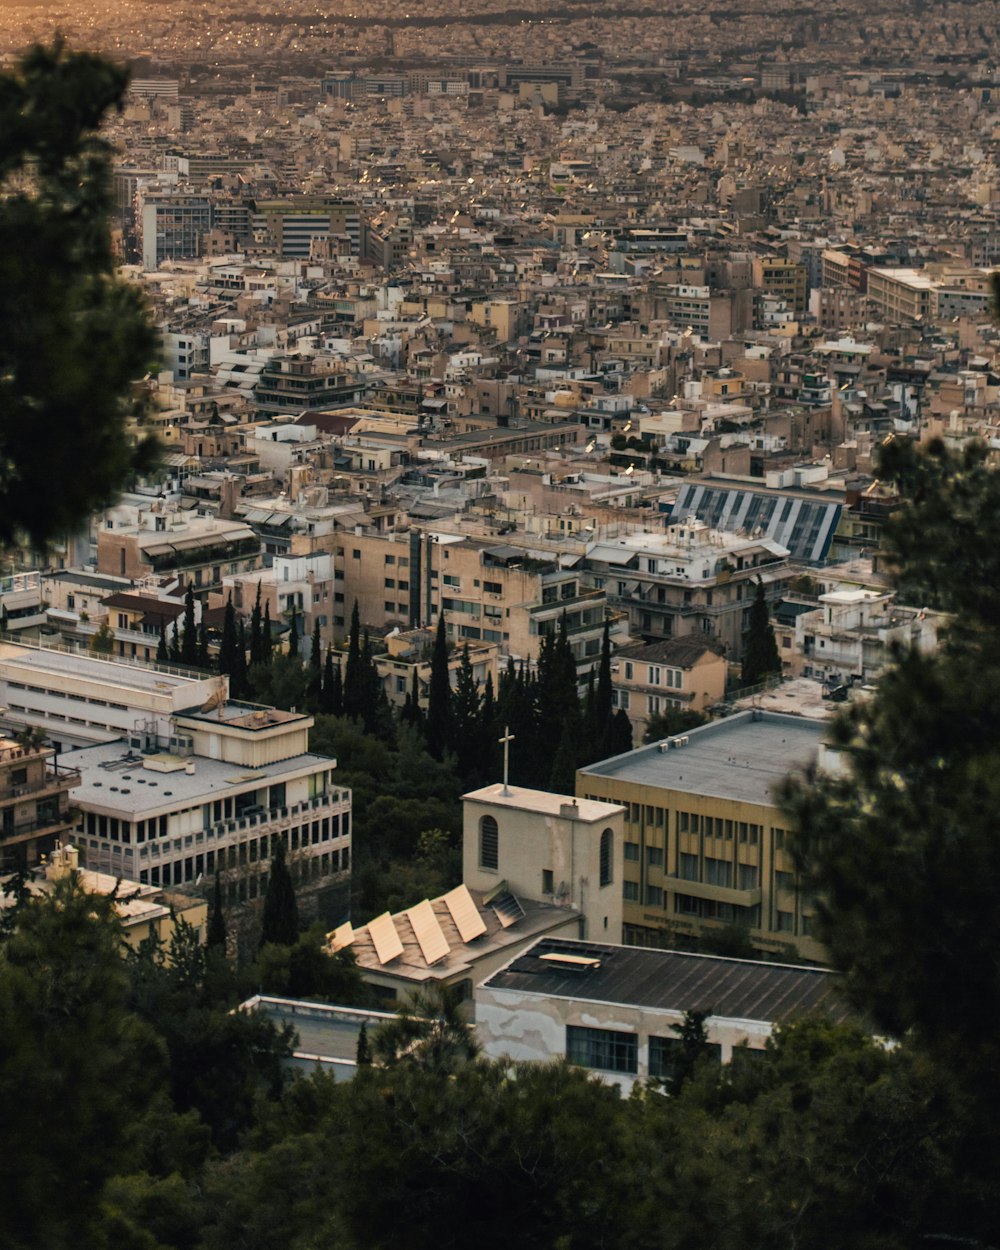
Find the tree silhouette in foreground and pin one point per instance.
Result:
(73, 337)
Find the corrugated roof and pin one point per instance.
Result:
(737, 989)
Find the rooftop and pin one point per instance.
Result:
(736, 989)
(740, 758)
(123, 783)
(544, 803)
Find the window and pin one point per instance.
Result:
(664, 1052)
(784, 881)
(548, 882)
(654, 856)
(718, 872)
(785, 922)
(630, 891)
(688, 870)
(654, 896)
(606, 862)
(628, 671)
(489, 843)
(654, 674)
(607, 1050)
(631, 851)
(748, 876)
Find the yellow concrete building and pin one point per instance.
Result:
(704, 837)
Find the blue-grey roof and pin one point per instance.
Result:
(736, 989)
(805, 526)
(741, 758)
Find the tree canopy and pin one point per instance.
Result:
(73, 336)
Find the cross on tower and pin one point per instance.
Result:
(507, 739)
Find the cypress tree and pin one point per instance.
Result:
(189, 634)
(354, 685)
(466, 727)
(266, 636)
(175, 644)
(216, 937)
(293, 633)
(280, 923)
(314, 688)
(162, 653)
(238, 680)
(326, 688)
(760, 651)
(439, 709)
(256, 643)
(603, 709)
(336, 690)
(364, 1051)
(229, 641)
(203, 661)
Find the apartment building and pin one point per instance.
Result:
(704, 837)
(288, 227)
(688, 579)
(215, 794)
(490, 592)
(686, 674)
(35, 811)
(901, 294)
(201, 550)
(783, 278)
(851, 636)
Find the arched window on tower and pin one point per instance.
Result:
(607, 856)
(489, 843)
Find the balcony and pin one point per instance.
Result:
(55, 780)
(717, 893)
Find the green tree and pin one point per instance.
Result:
(73, 337)
(354, 683)
(675, 720)
(363, 1055)
(466, 726)
(189, 631)
(760, 651)
(217, 936)
(314, 687)
(266, 635)
(430, 1030)
(256, 635)
(279, 923)
(229, 642)
(439, 697)
(162, 654)
(76, 1068)
(293, 632)
(305, 969)
(103, 641)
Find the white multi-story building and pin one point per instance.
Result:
(216, 795)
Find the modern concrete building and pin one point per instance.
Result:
(216, 795)
(616, 1009)
(76, 699)
(704, 837)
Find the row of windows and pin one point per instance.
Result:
(613, 1050)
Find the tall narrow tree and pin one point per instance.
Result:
(354, 682)
(314, 688)
(256, 644)
(229, 640)
(189, 633)
(266, 635)
(439, 701)
(280, 922)
(162, 650)
(217, 936)
(293, 632)
(239, 684)
(760, 651)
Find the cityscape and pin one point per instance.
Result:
(498, 624)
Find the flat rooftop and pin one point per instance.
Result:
(544, 803)
(51, 664)
(741, 757)
(633, 976)
(116, 780)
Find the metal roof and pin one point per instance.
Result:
(735, 989)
